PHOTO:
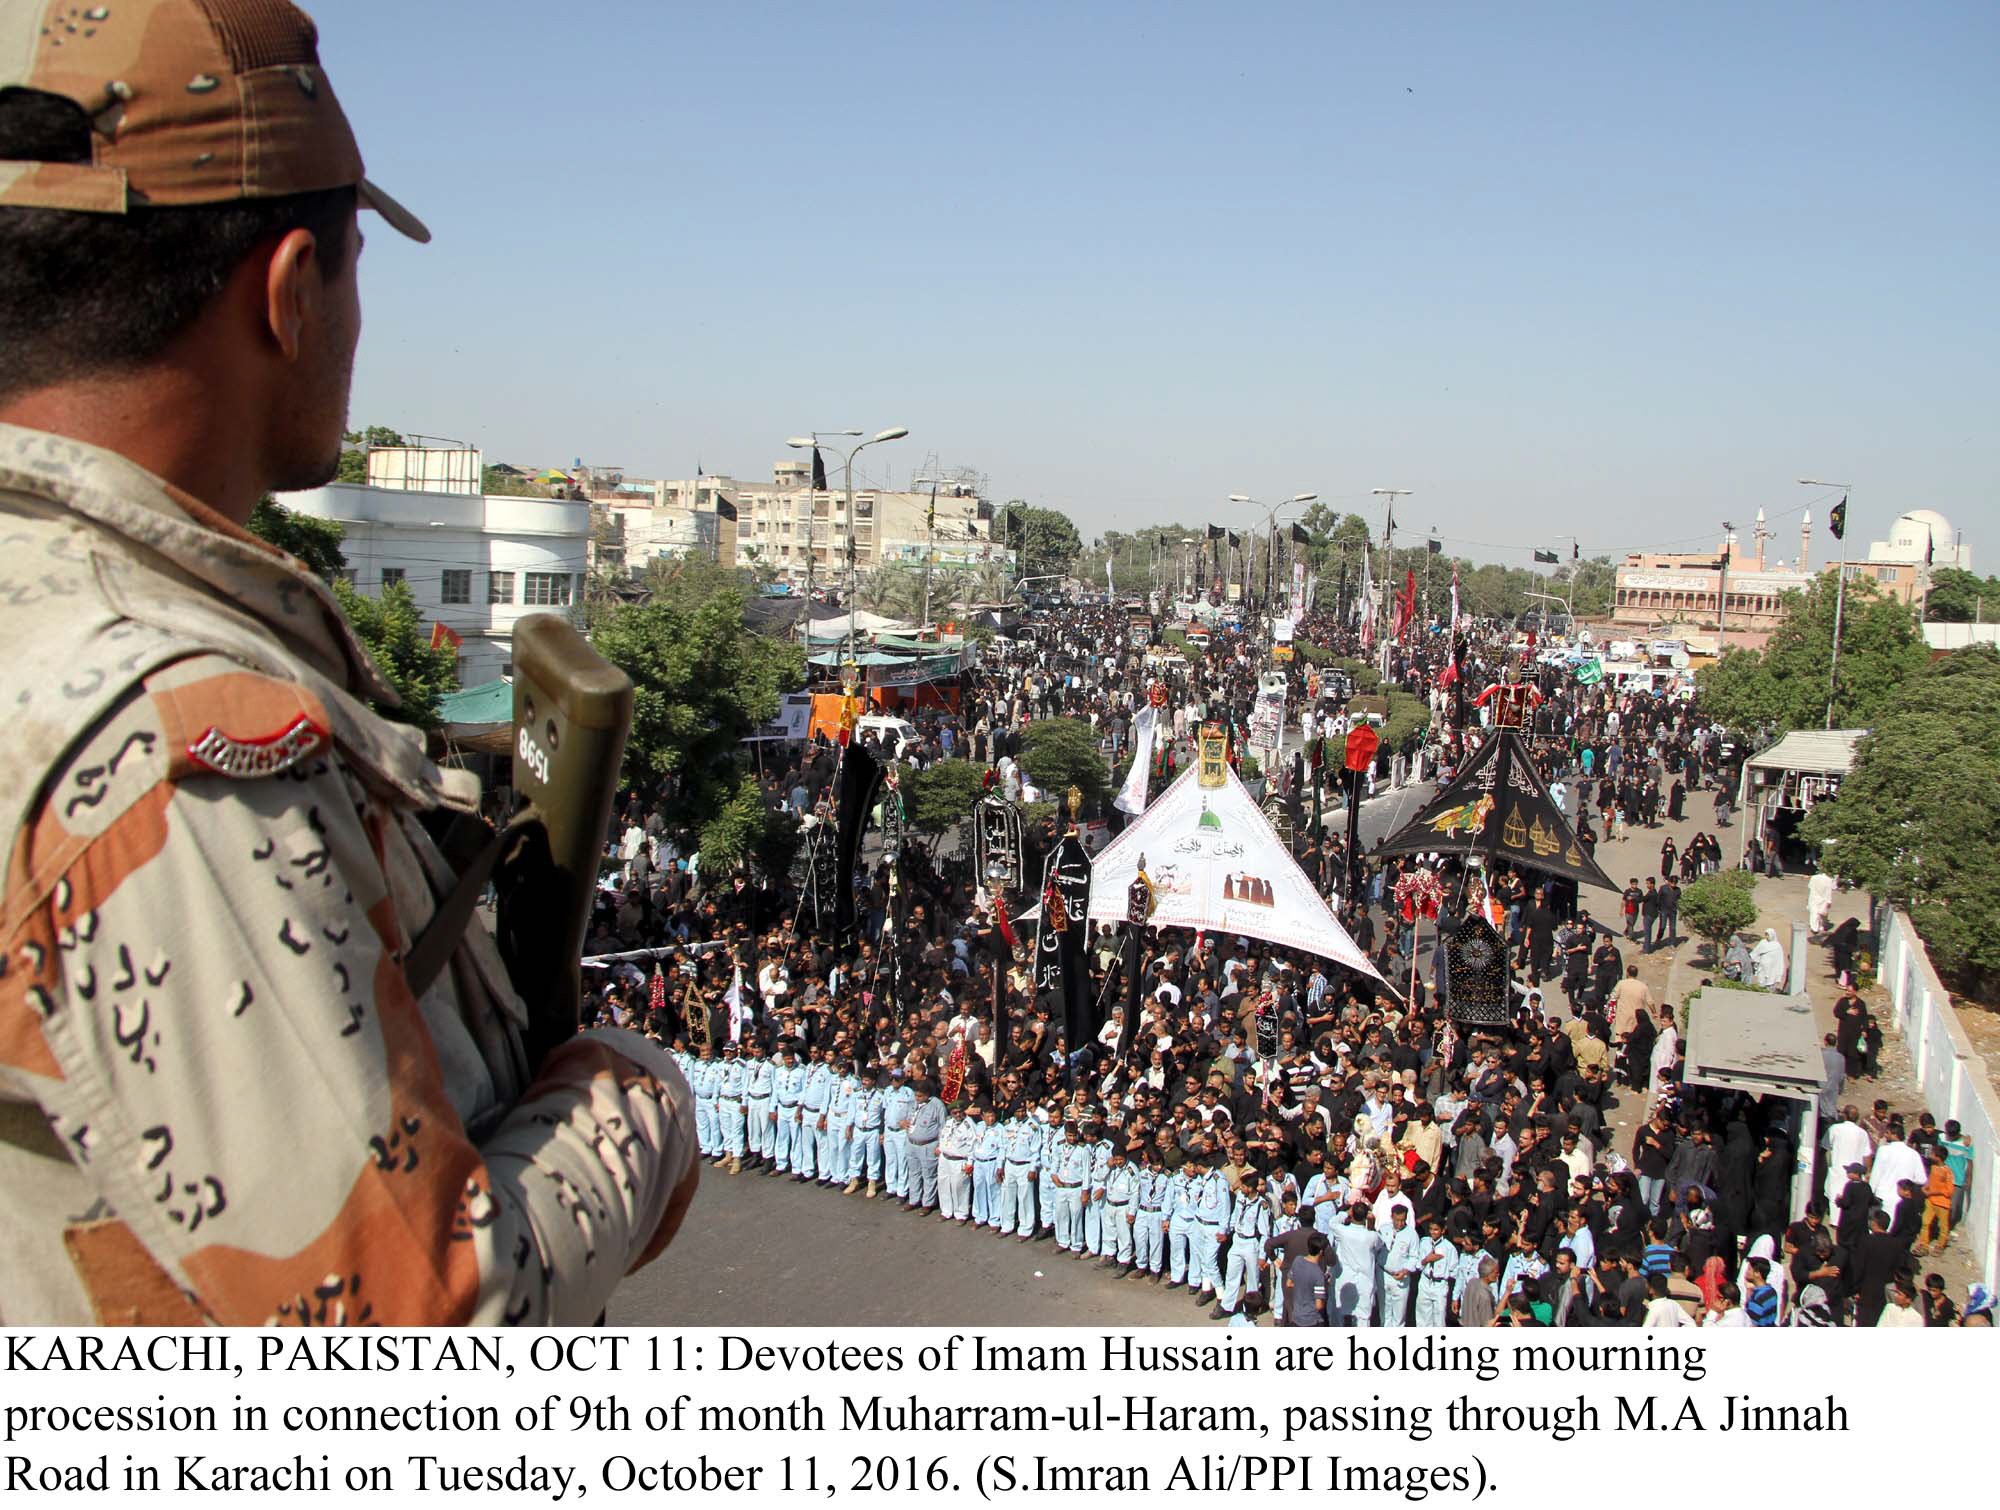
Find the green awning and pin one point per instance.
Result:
(487, 704)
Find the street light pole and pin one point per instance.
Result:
(1722, 594)
(1839, 593)
(1271, 513)
(1389, 497)
(847, 463)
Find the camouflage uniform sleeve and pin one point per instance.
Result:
(209, 1008)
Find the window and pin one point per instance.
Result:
(391, 574)
(457, 586)
(500, 587)
(546, 589)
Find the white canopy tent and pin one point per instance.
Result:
(1215, 863)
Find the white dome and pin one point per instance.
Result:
(1919, 527)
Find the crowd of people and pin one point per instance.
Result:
(1280, 1135)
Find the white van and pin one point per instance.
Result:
(892, 735)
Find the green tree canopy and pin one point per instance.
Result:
(941, 795)
(316, 542)
(1048, 543)
(1917, 821)
(396, 636)
(1959, 597)
(1060, 753)
(1784, 686)
(1716, 906)
(703, 682)
(354, 451)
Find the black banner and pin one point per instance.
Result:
(1059, 967)
(860, 773)
(1498, 806)
(1476, 973)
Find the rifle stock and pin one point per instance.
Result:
(572, 712)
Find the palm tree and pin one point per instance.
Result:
(892, 592)
(987, 583)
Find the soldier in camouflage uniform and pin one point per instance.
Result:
(220, 1098)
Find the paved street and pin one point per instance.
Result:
(761, 1251)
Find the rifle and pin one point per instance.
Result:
(572, 711)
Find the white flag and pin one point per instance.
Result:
(734, 998)
(1109, 585)
(1132, 796)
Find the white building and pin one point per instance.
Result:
(475, 564)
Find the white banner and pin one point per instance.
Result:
(1132, 797)
(1215, 863)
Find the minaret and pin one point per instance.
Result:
(1805, 542)
(1760, 535)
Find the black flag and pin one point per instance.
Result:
(1434, 546)
(859, 774)
(1235, 541)
(1836, 521)
(819, 472)
(1215, 532)
(1575, 551)
(1546, 558)
(1299, 535)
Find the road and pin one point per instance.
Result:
(761, 1251)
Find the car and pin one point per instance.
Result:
(892, 735)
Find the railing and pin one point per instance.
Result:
(1952, 1075)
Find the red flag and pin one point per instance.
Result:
(444, 634)
(1003, 922)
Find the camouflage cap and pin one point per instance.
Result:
(189, 102)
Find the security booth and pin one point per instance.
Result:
(1783, 782)
(1766, 1046)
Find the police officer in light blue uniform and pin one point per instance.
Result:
(925, 1127)
(866, 1160)
(1022, 1161)
(1212, 1208)
(1068, 1171)
(1358, 1249)
(1399, 1266)
(837, 1153)
(704, 1075)
(1249, 1224)
(989, 1162)
(814, 1151)
(788, 1091)
(1437, 1266)
(1149, 1227)
(954, 1165)
(1184, 1264)
(1094, 1233)
(898, 1101)
(729, 1084)
(1118, 1203)
(759, 1116)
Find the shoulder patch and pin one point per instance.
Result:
(236, 723)
(227, 755)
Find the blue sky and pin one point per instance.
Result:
(1558, 268)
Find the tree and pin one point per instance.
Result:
(316, 542)
(1917, 821)
(1060, 753)
(892, 592)
(1047, 542)
(703, 681)
(1958, 597)
(1716, 906)
(393, 630)
(941, 795)
(1784, 686)
(354, 453)
(505, 482)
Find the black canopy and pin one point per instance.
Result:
(1497, 806)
